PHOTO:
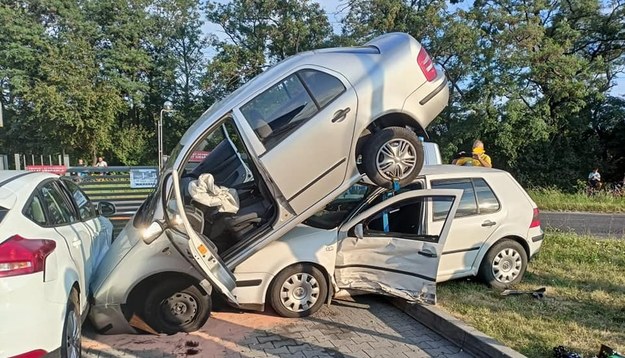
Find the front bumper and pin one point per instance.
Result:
(110, 319)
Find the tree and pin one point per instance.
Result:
(257, 35)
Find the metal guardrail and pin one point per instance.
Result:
(115, 185)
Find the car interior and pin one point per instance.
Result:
(227, 163)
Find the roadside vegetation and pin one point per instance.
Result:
(555, 200)
(584, 305)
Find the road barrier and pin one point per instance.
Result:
(125, 187)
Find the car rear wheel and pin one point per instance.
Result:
(504, 265)
(176, 305)
(393, 153)
(298, 291)
(72, 333)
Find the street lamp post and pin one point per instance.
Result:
(167, 107)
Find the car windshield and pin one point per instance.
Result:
(339, 209)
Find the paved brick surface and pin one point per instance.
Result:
(369, 327)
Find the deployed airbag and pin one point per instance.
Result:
(204, 191)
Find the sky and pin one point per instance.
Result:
(334, 10)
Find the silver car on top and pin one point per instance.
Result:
(288, 142)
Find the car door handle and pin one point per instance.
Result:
(488, 223)
(340, 114)
(76, 243)
(427, 253)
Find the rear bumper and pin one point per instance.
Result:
(30, 319)
(535, 242)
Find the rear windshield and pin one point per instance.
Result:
(3, 213)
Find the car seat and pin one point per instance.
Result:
(226, 229)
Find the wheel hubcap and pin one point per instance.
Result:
(299, 292)
(507, 265)
(396, 159)
(179, 309)
(72, 333)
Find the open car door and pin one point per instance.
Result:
(389, 248)
(193, 245)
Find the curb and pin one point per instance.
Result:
(466, 337)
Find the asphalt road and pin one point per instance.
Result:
(600, 225)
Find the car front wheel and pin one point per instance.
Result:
(504, 265)
(298, 291)
(392, 153)
(176, 305)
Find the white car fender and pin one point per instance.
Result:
(503, 231)
(303, 244)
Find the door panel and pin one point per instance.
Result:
(398, 254)
(476, 220)
(202, 253)
(62, 218)
(312, 160)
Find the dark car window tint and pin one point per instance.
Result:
(57, 208)
(278, 111)
(323, 86)
(487, 201)
(35, 212)
(338, 209)
(467, 206)
(405, 219)
(86, 208)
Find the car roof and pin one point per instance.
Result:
(450, 169)
(16, 185)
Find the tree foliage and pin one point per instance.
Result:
(532, 79)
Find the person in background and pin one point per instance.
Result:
(101, 164)
(478, 158)
(594, 179)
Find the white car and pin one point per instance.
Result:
(344, 247)
(52, 238)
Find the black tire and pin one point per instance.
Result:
(372, 153)
(72, 330)
(512, 263)
(312, 288)
(176, 305)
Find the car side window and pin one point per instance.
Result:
(35, 211)
(58, 210)
(324, 87)
(486, 199)
(86, 209)
(406, 219)
(278, 111)
(333, 214)
(468, 204)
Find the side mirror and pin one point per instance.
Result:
(106, 209)
(359, 231)
(152, 232)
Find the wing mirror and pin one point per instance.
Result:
(359, 231)
(106, 209)
(152, 232)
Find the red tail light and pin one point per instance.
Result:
(426, 64)
(20, 256)
(535, 219)
(32, 354)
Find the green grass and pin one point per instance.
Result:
(584, 305)
(555, 200)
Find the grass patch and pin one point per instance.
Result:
(584, 305)
(555, 200)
